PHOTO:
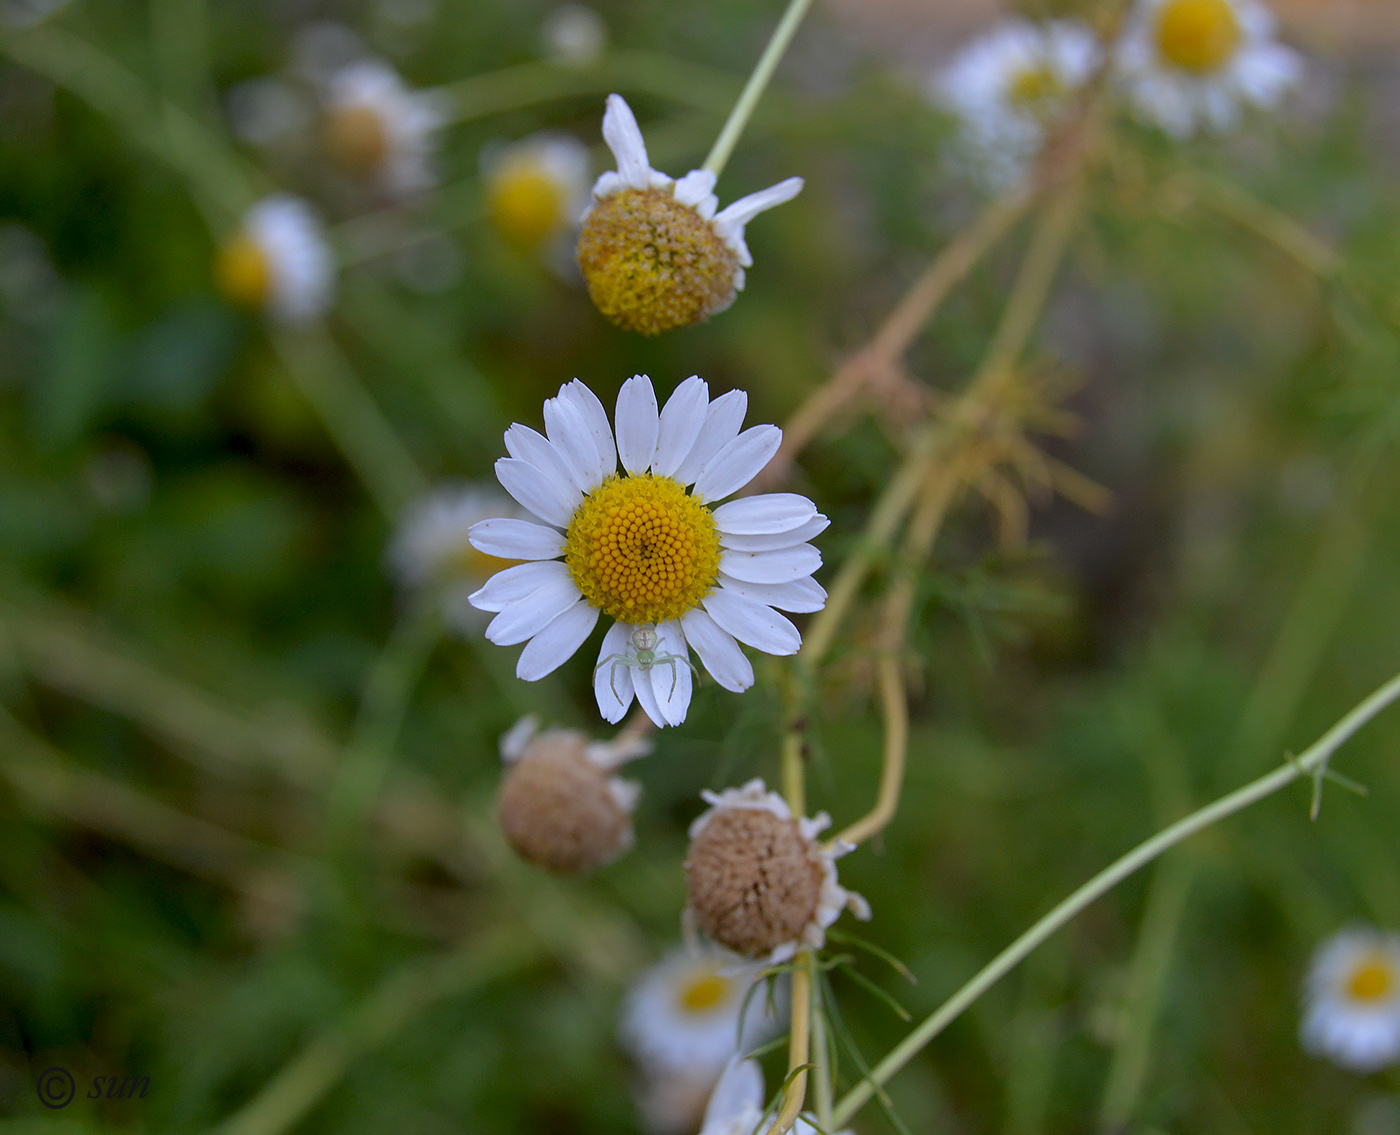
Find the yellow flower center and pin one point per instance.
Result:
(1198, 36)
(1033, 87)
(1372, 980)
(526, 204)
(652, 264)
(641, 550)
(357, 139)
(702, 992)
(243, 272)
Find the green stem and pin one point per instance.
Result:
(743, 110)
(1310, 762)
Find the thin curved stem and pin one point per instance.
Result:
(799, 1039)
(1312, 762)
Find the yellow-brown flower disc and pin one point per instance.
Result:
(652, 264)
(557, 809)
(755, 880)
(357, 139)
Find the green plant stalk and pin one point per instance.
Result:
(1312, 762)
(718, 157)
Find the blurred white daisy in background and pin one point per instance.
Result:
(673, 570)
(1352, 1000)
(1188, 64)
(573, 35)
(377, 129)
(1007, 87)
(278, 260)
(657, 253)
(683, 1013)
(431, 548)
(536, 188)
(736, 1107)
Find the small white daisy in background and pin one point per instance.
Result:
(682, 1015)
(431, 548)
(278, 260)
(559, 806)
(1188, 64)
(377, 129)
(736, 1107)
(536, 188)
(1007, 87)
(655, 252)
(1352, 995)
(573, 35)
(670, 567)
(759, 881)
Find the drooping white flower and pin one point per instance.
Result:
(673, 569)
(759, 881)
(1352, 1012)
(1188, 64)
(658, 253)
(378, 129)
(736, 1106)
(1008, 86)
(278, 259)
(683, 1014)
(536, 188)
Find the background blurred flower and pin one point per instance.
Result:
(278, 259)
(375, 128)
(1352, 1014)
(536, 188)
(573, 35)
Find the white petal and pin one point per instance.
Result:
(572, 439)
(637, 424)
(556, 644)
(641, 684)
(530, 445)
(624, 139)
(718, 651)
(612, 680)
(721, 426)
(515, 583)
(549, 498)
(526, 617)
(670, 676)
(591, 410)
(760, 515)
(738, 463)
(753, 623)
(680, 424)
(735, 216)
(799, 595)
(512, 539)
(782, 566)
(772, 541)
(739, 1091)
(697, 189)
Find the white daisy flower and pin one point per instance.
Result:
(1352, 1015)
(1193, 63)
(431, 548)
(279, 260)
(573, 35)
(378, 129)
(657, 253)
(736, 1106)
(1008, 86)
(670, 567)
(759, 881)
(683, 1013)
(537, 188)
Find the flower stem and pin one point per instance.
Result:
(728, 138)
(1311, 762)
(798, 1046)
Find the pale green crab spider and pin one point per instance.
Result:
(643, 656)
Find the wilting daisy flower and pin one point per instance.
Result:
(431, 548)
(558, 805)
(279, 260)
(654, 252)
(573, 35)
(1008, 86)
(1352, 1014)
(736, 1107)
(537, 188)
(683, 1014)
(378, 129)
(670, 567)
(759, 881)
(1188, 63)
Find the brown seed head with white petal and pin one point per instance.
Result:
(559, 809)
